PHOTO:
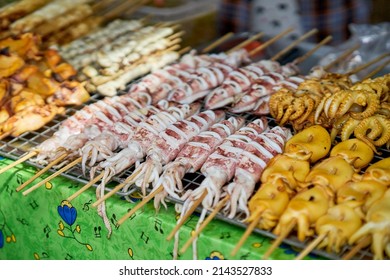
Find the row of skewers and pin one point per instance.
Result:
(60, 22)
(304, 190)
(35, 85)
(130, 123)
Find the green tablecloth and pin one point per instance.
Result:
(41, 226)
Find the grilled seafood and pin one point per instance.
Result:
(354, 151)
(192, 157)
(270, 201)
(29, 119)
(331, 174)
(338, 224)
(291, 171)
(312, 144)
(360, 195)
(374, 130)
(305, 208)
(379, 171)
(168, 144)
(378, 226)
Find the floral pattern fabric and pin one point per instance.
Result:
(44, 225)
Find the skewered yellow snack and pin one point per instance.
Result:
(338, 224)
(354, 151)
(291, 171)
(378, 226)
(270, 200)
(379, 171)
(311, 144)
(331, 173)
(304, 209)
(360, 195)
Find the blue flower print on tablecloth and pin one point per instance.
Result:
(215, 255)
(69, 215)
(1, 239)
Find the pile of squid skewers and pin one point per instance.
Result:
(99, 130)
(303, 190)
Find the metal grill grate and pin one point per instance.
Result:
(14, 148)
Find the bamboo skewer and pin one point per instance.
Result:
(205, 223)
(175, 35)
(248, 231)
(42, 171)
(361, 244)
(187, 215)
(312, 51)
(20, 160)
(311, 246)
(293, 44)
(270, 41)
(246, 42)
(342, 57)
(139, 205)
(368, 64)
(55, 174)
(217, 42)
(115, 189)
(376, 70)
(184, 50)
(85, 187)
(280, 239)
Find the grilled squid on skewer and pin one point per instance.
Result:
(378, 226)
(192, 157)
(338, 224)
(205, 79)
(138, 144)
(304, 208)
(237, 82)
(251, 164)
(85, 124)
(169, 143)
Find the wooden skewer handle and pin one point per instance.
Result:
(313, 50)
(55, 174)
(218, 42)
(20, 160)
(40, 172)
(248, 231)
(205, 223)
(187, 215)
(368, 64)
(279, 240)
(342, 57)
(85, 187)
(270, 41)
(311, 246)
(139, 205)
(293, 44)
